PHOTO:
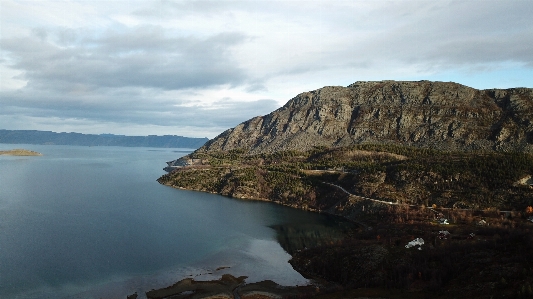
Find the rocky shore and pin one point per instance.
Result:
(228, 286)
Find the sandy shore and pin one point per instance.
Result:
(20, 152)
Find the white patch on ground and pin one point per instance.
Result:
(525, 181)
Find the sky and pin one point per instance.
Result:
(197, 68)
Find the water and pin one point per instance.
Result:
(92, 222)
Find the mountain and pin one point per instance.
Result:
(47, 137)
(419, 143)
(402, 160)
(440, 115)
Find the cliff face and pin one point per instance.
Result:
(446, 116)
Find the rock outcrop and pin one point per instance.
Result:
(441, 115)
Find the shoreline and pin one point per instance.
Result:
(350, 218)
(307, 209)
(228, 286)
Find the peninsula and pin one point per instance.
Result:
(434, 166)
(422, 143)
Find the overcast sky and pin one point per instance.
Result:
(196, 68)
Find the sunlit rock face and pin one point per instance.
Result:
(442, 115)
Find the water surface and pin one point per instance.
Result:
(92, 222)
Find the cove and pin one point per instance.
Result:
(92, 222)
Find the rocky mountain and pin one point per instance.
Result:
(440, 115)
(404, 142)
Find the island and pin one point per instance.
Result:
(20, 152)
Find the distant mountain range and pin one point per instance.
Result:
(47, 137)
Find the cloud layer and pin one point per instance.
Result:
(195, 68)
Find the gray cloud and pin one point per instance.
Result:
(430, 35)
(130, 107)
(229, 113)
(142, 57)
(172, 9)
(448, 34)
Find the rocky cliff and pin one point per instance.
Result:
(441, 115)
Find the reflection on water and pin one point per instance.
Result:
(297, 236)
(82, 222)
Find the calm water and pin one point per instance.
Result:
(92, 222)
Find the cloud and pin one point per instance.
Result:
(137, 106)
(448, 34)
(136, 57)
(209, 65)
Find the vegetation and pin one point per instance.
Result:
(388, 190)
(474, 261)
(395, 173)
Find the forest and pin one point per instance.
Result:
(472, 209)
(400, 174)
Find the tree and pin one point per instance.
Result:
(529, 210)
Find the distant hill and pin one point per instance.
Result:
(47, 137)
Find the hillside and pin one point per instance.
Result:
(408, 142)
(390, 173)
(445, 116)
(387, 190)
(397, 158)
